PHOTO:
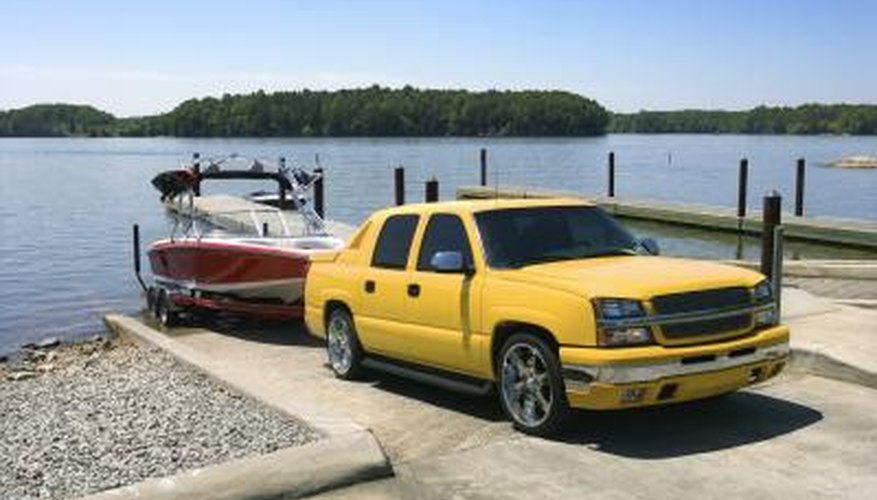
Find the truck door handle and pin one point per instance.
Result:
(369, 286)
(414, 290)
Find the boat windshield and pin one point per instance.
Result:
(519, 237)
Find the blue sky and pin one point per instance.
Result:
(142, 57)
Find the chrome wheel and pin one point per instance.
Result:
(342, 344)
(528, 391)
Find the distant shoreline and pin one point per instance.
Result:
(409, 112)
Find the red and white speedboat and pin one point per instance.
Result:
(226, 258)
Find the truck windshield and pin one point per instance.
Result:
(520, 237)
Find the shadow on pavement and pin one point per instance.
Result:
(292, 333)
(697, 427)
(486, 408)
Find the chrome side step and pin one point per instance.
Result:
(449, 382)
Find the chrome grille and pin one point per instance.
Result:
(704, 301)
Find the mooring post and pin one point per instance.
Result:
(777, 274)
(483, 166)
(196, 168)
(400, 185)
(319, 206)
(742, 182)
(432, 190)
(799, 188)
(771, 218)
(611, 190)
(281, 201)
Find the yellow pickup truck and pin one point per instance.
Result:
(550, 302)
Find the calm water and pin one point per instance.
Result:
(67, 205)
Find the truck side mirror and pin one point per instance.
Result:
(448, 262)
(650, 246)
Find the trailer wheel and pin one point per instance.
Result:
(164, 310)
(151, 299)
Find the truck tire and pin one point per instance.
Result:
(530, 387)
(342, 345)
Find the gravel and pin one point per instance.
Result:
(100, 415)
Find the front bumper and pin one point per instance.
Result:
(601, 378)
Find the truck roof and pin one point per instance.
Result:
(473, 206)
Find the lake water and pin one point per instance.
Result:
(67, 205)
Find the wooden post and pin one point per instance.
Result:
(432, 190)
(400, 185)
(771, 218)
(281, 201)
(611, 190)
(799, 188)
(483, 166)
(319, 206)
(742, 182)
(777, 274)
(196, 168)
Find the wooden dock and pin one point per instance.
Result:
(850, 232)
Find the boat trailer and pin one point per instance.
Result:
(170, 305)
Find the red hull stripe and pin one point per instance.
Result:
(222, 264)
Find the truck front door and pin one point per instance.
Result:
(442, 307)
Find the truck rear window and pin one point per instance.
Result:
(394, 242)
(518, 237)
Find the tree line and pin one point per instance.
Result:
(383, 112)
(54, 120)
(850, 119)
(373, 111)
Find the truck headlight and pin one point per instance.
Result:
(611, 311)
(763, 293)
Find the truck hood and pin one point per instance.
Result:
(635, 277)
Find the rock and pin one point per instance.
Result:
(48, 342)
(47, 367)
(20, 375)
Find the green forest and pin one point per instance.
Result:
(373, 111)
(806, 119)
(409, 112)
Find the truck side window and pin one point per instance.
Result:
(444, 233)
(394, 242)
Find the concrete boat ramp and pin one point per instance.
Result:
(802, 435)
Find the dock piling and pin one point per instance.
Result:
(484, 166)
(777, 270)
(196, 168)
(399, 176)
(281, 201)
(611, 187)
(319, 200)
(771, 218)
(432, 190)
(799, 188)
(742, 187)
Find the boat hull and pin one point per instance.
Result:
(230, 268)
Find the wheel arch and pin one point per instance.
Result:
(331, 306)
(505, 329)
